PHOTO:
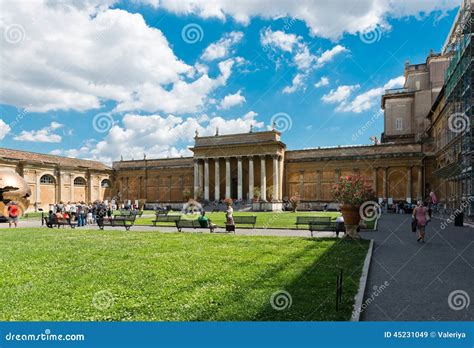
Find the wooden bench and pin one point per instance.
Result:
(166, 218)
(306, 220)
(245, 220)
(321, 224)
(126, 221)
(182, 223)
(59, 222)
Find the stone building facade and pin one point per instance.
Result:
(55, 178)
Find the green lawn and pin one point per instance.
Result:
(264, 219)
(50, 274)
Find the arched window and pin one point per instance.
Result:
(105, 183)
(47, 179)
(79, 181)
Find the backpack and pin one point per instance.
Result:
(13, 211)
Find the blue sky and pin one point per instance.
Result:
(109, 79)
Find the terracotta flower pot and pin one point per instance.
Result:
(351, 215)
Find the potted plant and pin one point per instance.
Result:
(270, 193)
(256, 194)
(351, 191)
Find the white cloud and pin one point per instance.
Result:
(43, 135)
(77, 55)
(329, 55)
(339, 95)
(301, 57)
(328, 19)
(158, 136)
(223, 47)
(296, 84)
(324, 81)
(231, 100)
(279, 39)
(4, 129)
(370, 98)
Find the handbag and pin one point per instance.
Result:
(414, 225)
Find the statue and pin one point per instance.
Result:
(196, 134)
(13, 188)
(251, 128)
(217, 131)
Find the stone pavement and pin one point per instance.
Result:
(430, 281)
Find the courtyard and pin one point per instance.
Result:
(88, 275)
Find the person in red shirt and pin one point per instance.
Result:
(12, 214)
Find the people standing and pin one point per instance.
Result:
(420, 215)
(229, 217)
(12, 214)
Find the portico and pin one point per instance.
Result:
(239, 166)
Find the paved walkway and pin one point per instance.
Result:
(420, 277)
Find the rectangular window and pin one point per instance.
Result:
(399, 124)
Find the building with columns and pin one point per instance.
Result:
(54, 178)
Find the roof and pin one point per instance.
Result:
(10, 154)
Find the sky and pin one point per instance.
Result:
(105, 79)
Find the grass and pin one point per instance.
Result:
(264, 219)
(89, 275)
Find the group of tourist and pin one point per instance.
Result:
(82, 213)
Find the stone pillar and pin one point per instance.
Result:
(37, 190)
(217, 180)
(251, 178)
(263, 179)
(276, 176)
(385, 183)
(280, 178)
(201, 176)
(206, 179)
(301, 185)
(227, 177)
(374, 181)
(71, 187)
(409, 179)
(169, 187)
(420, 182)
(239, 179)
(318, 185)
(196, 179)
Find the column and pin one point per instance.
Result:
(301, 185)
(37, 198)
(251, 178)
(239, 179)
(263, 179)
(196, 179)
(374, 181)
(71, 187)
(280, 178)
(318, 184)
(227, 177)
(420, 182)
(201, 177)
(409, 194)
(217, 180)
(206, 179)
(385, 183)
(276, 175)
